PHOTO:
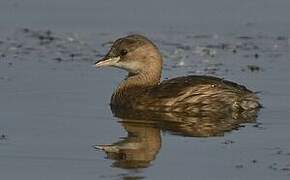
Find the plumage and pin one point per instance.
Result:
(142, 89)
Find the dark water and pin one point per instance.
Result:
(54, 107)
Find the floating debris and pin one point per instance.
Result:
(246, 46)
(253, 68)
(58, 59)
(254, 161)
(45, 37)
(285, 169)
(3, 137)
(282, 38)
(256, 55)
(228, 142)
(71, 39)
(181, 63)
(219, 46)
(239, 166)
(273, 166)
(205, 51)
(203, 36)
(245, 37)
(279, 152)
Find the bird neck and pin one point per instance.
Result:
(143, 79)
(133, 85)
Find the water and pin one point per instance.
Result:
(54, 107)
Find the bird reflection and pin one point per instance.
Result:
(143, 140)
(138, 149)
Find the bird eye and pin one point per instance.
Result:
(123, 52)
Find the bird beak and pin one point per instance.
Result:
(107, 62)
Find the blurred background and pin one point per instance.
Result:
(135, 15)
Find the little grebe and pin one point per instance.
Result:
(142, 90)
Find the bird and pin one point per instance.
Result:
(142, 89)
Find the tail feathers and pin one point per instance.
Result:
(250, 102)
